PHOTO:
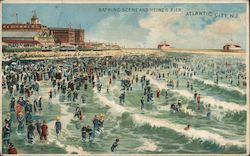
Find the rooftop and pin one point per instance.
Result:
(19, 34)
(232, 44)
(56, 28)
(21, 41)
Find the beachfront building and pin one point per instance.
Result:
(101, 46)
(23, 35)
(111, 46)
(22, 43)
(16, 41)
(163, 46)
(68, 36)
(231, 47)
(34, 33)
(33, 25)
(43, 37)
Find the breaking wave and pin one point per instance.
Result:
(179, 128)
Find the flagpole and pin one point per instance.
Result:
(16, 18)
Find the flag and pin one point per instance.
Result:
(14, 14)
(34, 12)
(69, 25)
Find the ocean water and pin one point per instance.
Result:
(156, 130)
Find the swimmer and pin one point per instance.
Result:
(188, 127)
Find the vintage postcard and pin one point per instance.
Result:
(125, 77)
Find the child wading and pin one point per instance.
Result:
(114, 145)
(58, 126)
(11, 149)
(44, 133)
(30, 132)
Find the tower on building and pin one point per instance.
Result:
(34, 19)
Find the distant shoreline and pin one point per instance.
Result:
(208, 51)
(128, 51)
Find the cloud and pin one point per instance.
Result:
(118, 29)
(159, 26)
(227, 26)
(228, 29)
(179, 30)
(194, 31)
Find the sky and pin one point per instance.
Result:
(214, 26)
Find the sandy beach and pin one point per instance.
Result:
(36, 55)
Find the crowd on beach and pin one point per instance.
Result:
(22, 84)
